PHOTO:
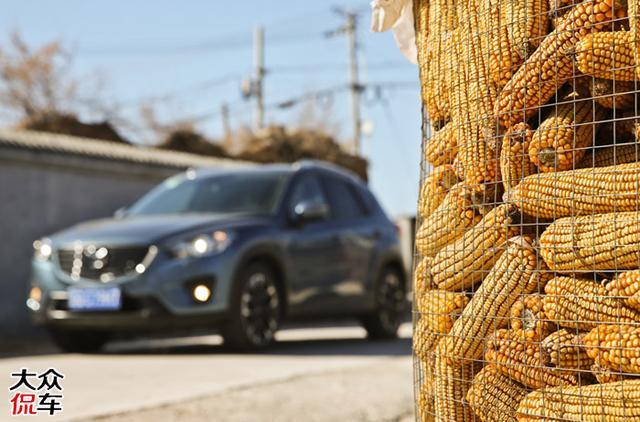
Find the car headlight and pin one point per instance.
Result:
(203, 245)
(42, 249)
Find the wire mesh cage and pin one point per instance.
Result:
(527, 278)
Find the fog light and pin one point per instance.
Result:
(35, 296)
(201, 293)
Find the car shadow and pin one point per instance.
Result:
(328, 339)
(307, 347)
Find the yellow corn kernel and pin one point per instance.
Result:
(593, 243)
(582, 304)
(580, 192)
(613, 402)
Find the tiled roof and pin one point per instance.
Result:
(108, 150)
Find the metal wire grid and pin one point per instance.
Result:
(527, 278)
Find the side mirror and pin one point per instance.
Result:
(120, 213)
(310, 211)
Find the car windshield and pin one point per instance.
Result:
(247, 193)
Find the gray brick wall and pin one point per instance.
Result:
(42, 191)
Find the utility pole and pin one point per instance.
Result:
(350, 29)
(258, 60)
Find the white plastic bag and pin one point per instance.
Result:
(396, 15)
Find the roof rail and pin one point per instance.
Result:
(327, 166)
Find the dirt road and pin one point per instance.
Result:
(325, 374)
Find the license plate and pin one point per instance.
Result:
(98, 299)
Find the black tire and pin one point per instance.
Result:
(255, 310)
(391, 306)
(79, 341)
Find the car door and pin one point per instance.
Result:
(357, 237)
(313, 248)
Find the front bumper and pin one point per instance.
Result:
(157, 299)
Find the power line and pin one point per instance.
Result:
(325, 94)
(227, 43)
(192, 89)
(231, 41)
(323, 67)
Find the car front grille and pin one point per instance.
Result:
(102, 263)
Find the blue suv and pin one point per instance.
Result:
(235, 251)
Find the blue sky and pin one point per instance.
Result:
(199, 50)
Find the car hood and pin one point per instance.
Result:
(147, 229)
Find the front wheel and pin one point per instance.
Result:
(255, 310)
(79, 341)
(391, 305)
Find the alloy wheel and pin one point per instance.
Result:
(260, 309)
(391, 301)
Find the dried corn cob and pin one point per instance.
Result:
(581, 304)
(550, 66)
(451, 386)
(516, 272)
(527, 314)
(441, 308)
(459, 211)
(626, 287)
(443, 21)
(618, 95)
(634, 29)
(463, 263)
(607, 55)
(605, 375)
(423, 340)
(434, 19)
(472, 107)
(506, 58)
(503, 56)
(566, 351)
(527, 23)
(438, 311)
(422, 276)
(426, 410)
(619, 23)
(434, 189)
(425, 59)
(579, 192)
(559, 8)
(523, 361)
(424, 369)
(614, 402)
(515, 163)
(562, 139)
(612, 155)
(449, 63)
(480, 162)
(494, 397)
(616, 347)
(593, 243)
(442, 147)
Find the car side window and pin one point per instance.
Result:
(307, 189)
(342, 199)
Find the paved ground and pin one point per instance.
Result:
(327, 374)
